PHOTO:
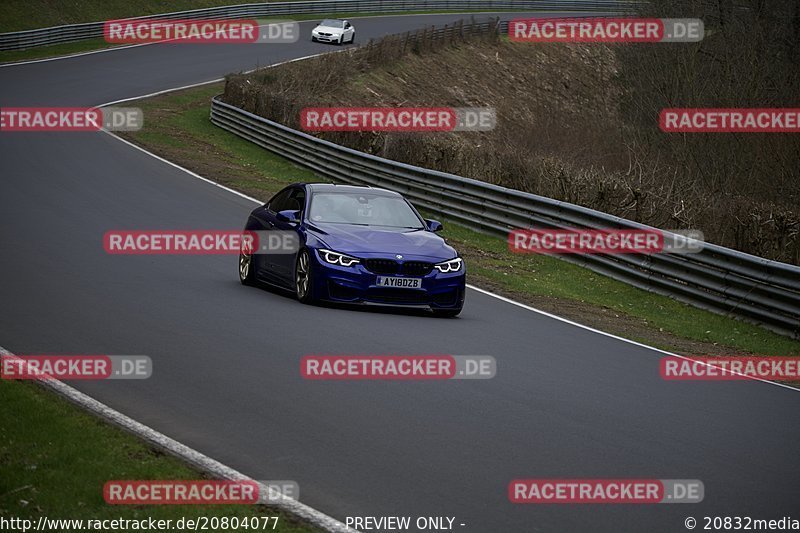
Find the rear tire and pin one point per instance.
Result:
(303, 277)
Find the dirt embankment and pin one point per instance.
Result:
(577, 123)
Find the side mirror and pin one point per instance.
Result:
(289, 216)
(434, 225)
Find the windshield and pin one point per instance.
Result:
(331, 23)
(364, 210)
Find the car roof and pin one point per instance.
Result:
(332, 187)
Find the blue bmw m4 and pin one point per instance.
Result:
(357, 245)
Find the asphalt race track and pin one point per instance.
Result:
(566, 403)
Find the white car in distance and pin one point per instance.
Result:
(337, 31)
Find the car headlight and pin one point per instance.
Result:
(335, 258)
(454, 265)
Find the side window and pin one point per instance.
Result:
(279, 201)
(297, 200)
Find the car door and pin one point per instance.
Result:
(266, 269)
(348, 32)
(284, 262)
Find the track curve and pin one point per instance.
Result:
(567, 402)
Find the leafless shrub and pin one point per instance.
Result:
(579, 123)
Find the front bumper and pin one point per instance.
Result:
(331, 38)
(358, 285)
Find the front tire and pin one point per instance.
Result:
(353, 38)
(303, 277)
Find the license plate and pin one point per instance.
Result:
(403, 283)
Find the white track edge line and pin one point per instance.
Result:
(473, 287)
(617, 337)
(185, 453)
(196, 458)
(194, 175)
(69, 56)
(115, 48)
(90, 52)
(217, 80)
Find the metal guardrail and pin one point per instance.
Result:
(21, 40)
(717, 279)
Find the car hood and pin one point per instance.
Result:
(373, 241)
(329, 29)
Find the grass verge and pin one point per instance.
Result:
(177, 128)
(54, 50)
(18, 15)
(55, 459)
